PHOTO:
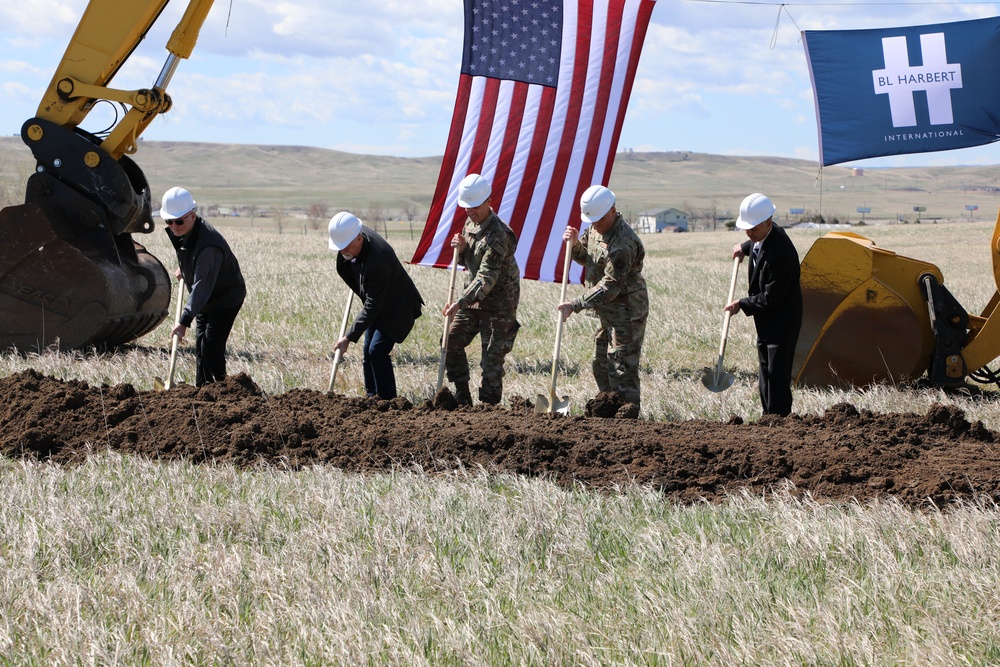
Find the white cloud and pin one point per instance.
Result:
(41, 18)
(16, 68)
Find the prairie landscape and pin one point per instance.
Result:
(264, 521)
(285, 182)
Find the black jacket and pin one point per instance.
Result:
(775, 295)
(226, 291)
(390, 299)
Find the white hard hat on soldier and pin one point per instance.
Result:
(595, 202)
(473, 191)
(176, 203)
(344, 228)
(755, 209)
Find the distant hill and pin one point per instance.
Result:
(296, 178)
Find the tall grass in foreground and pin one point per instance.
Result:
(123, 561)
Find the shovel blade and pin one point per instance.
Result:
(544, 405)
(717, 382)
(160, 385)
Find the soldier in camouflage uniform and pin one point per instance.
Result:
(612, 255)
(488, 305)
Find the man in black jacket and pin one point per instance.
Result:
(390, 300)
(774, 300)
(213, 278)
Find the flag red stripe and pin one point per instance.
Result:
(577, 85)
(519, 216)
(483, 130)
(509, 145)
(447, 167)
(638, 37)
(484, 127)
(481, 134)
(599, 126)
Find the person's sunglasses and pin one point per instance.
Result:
(175, 221)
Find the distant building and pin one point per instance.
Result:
(660, 219)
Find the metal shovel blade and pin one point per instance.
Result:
(160, 385)
(717, 381)
(544, 405)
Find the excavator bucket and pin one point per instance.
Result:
(70, 273)
(865, 318)
(58, 288)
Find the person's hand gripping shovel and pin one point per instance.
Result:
(715, 379)
(551, 403)
(158, 383)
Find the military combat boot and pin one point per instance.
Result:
(487, 396)
(462, 394)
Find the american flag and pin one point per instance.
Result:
(539, 111)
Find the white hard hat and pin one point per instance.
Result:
(755, 209)
(344, 228)
(176, 203)
(595, 202)
(473, 191)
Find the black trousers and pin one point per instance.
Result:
(776, 358)
(380, 380)
(210, 344)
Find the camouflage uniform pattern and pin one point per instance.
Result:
(488, 305)
(618, 297)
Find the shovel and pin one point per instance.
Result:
(447, 321)
(343, 328)
(551, 403)
(715, 379)
(159, 384)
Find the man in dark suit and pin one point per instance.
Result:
(774, 300)
(390, 300)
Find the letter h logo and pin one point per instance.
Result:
(936, 77)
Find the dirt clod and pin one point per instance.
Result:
(843, 455)
(444, 400)
(605, 404)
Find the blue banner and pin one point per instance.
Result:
(914, 89)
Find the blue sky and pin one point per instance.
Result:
(379, 78)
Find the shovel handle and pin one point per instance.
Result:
(447, 319)
(559, 324)
(343, 328)
(727, 316)
(174, 340)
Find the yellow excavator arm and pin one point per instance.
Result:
(70, 272)
(106, 36)
(872, 316)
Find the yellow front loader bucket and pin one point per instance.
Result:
(865, 318)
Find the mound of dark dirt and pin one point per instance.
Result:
(844, 454)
